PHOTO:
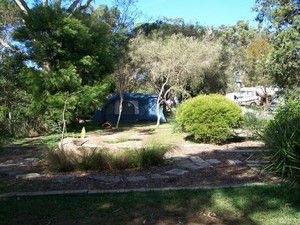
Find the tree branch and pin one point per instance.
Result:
(7, 46)
(73, 6)
(77, 4)
(85, 6)
(45, 3)
(22, 5)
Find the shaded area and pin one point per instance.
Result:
(248, 205)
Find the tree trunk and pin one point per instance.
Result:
(22, 5)
(64, 124)
(158, 112)
(120, 109)
(158, 103)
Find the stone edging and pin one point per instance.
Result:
(99, 191)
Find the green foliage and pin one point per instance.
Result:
(152, 154)
(72, 56)
(283, 20)
(209, 118)
(254, 124)
(282, 136)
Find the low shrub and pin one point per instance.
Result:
(282, 136)
(209, 118)
(253, 125)
(104, 159)
(152, 154)
(58, 160)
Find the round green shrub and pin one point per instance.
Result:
(209, 118)
(282, 137)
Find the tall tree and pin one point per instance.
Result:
(236, 39)
(169, 63)
(9, 17)
(257, 55)
(70, 6)
(67, 54)
(283, 19)
(124, 78)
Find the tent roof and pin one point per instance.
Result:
(132, 96)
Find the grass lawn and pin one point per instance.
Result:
(247, 205)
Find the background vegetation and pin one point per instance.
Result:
(282, 136)
(57, 54)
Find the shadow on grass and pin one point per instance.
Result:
(248, 205)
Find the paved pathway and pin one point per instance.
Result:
(183, 165)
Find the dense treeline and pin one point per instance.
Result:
(61, 55)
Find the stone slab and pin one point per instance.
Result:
(234, 161)
(110, 179)
(187, 164)
(64, 178)
(254, 165)
(158, 177)
(243, 150)
(29, 176)
(136, 178)
(200, 162)
(213, 161)
(4, 165)
(10, 171)
(177, 171)
(257, 161)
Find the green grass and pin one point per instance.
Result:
(4, 140)
(266, 205)
(120, 139)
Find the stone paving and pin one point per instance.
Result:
(183, 164)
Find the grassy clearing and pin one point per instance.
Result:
(266, 205)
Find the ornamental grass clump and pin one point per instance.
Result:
(209, 118)
(99, 159)
(282, 137)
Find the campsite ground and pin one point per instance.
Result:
(233, 163)
(263, 204)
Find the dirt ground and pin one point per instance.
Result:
(22, 158)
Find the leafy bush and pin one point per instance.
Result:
(282, 136)
(209, 118)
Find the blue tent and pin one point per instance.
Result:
(136, 107)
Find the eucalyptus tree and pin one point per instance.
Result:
(169, 63)
(125, 78)
(283, 20)
(9, 17)
(236, 39)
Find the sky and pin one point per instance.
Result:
(205, 12)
